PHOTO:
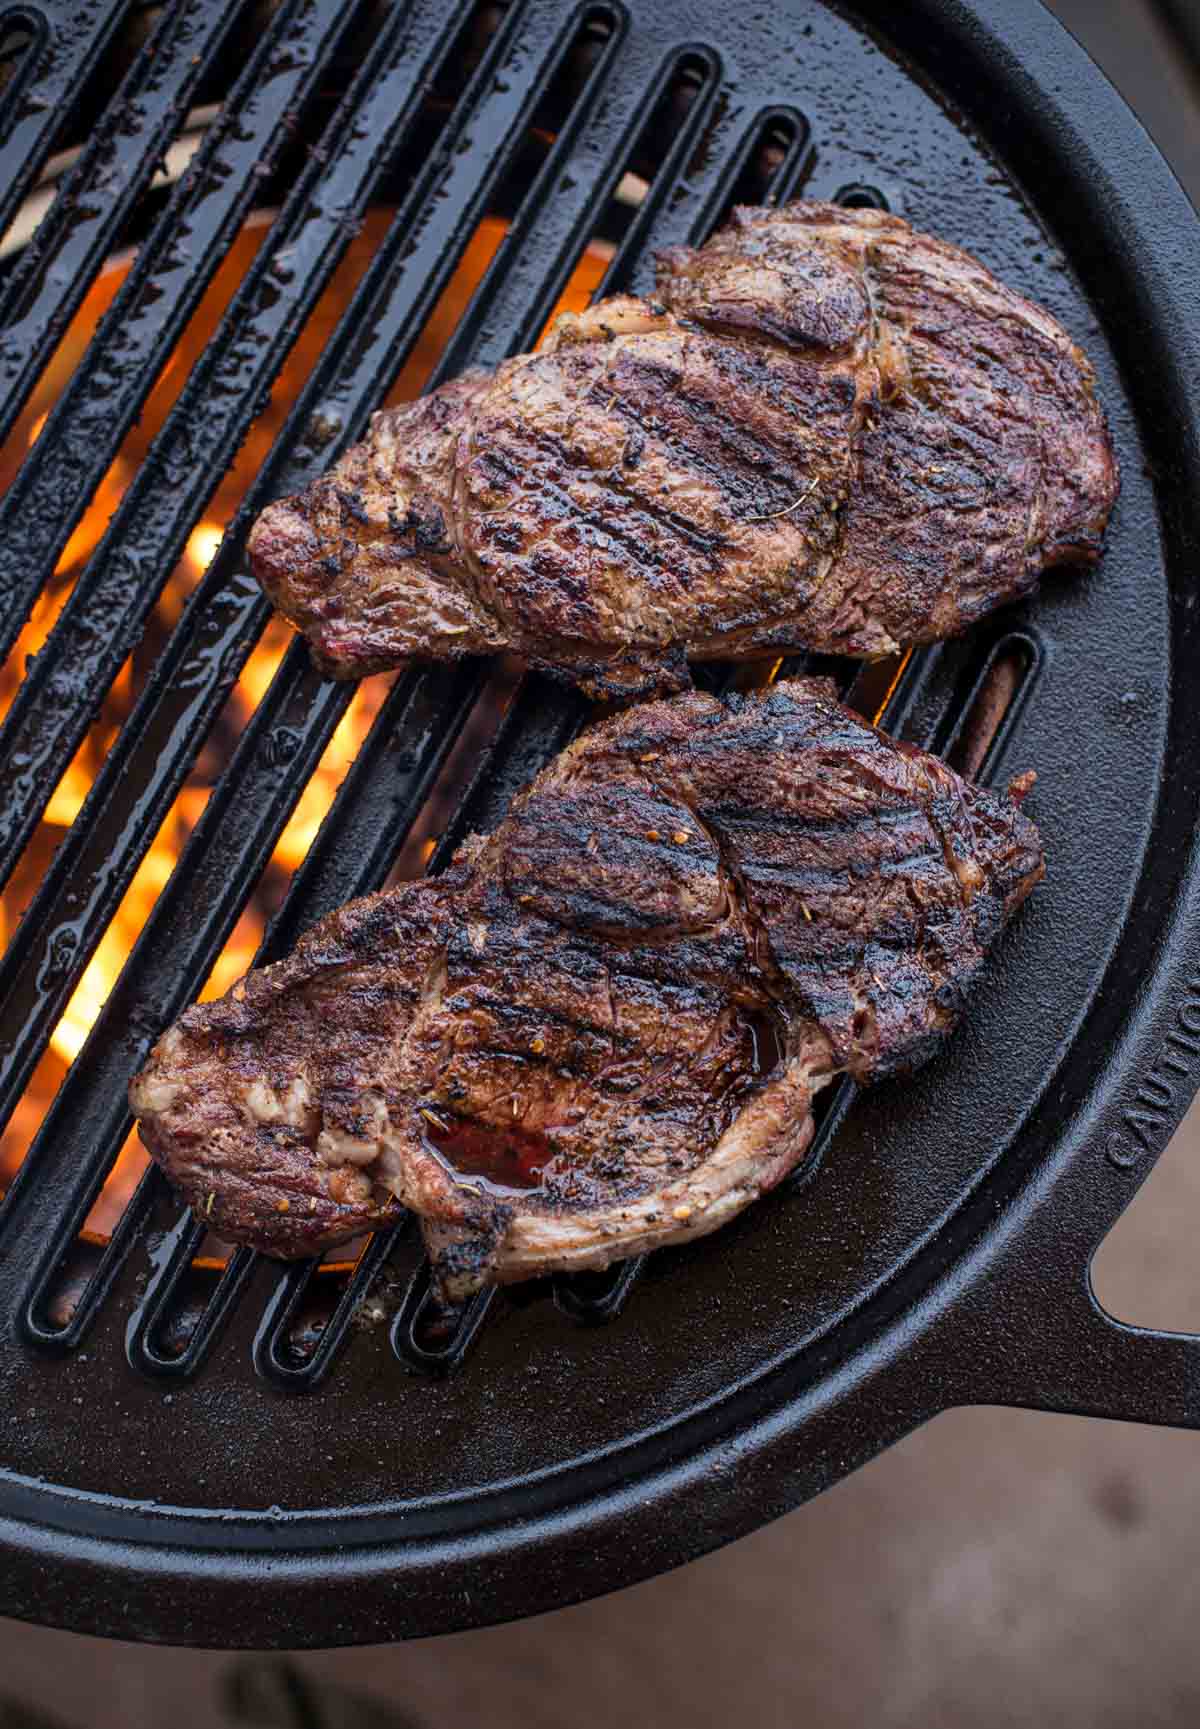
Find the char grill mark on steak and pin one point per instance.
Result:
(625, 997)
(827, 432)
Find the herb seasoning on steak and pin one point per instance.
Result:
(825, 431)
(601, 1030)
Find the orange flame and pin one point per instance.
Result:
(102, 971)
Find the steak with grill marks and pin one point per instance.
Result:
(603, 1028)
(824, 431)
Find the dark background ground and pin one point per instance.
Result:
(996, 1568)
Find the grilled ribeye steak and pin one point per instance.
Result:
(602, 1028)
(825, 431)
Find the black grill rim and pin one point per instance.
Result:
(1012, 1267)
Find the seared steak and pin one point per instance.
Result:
(826, 431)
(602, 1029)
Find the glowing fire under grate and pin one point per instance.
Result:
(72, 1029)
(468, 173)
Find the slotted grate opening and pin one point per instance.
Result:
(18, 50)
(987, 715)
(431, 1340)
(858, 196)
(16, 40)
(193, 796)
(685, 83)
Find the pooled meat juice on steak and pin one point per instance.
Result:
(499, 1160)
(601, 1030)
(826, 431)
